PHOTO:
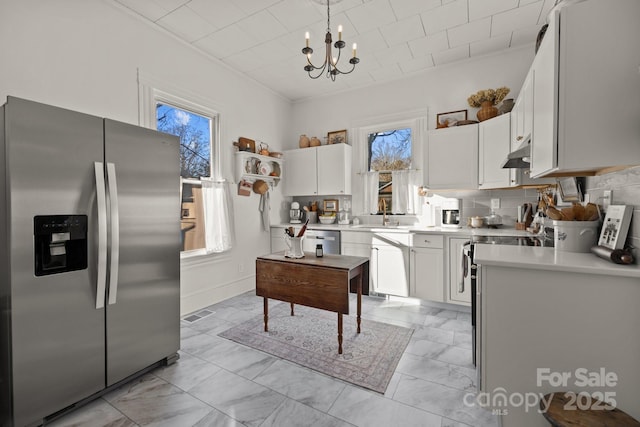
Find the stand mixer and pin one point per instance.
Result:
(295, 214)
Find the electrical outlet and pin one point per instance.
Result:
(607, 199)
(495, 204)
(240, 268)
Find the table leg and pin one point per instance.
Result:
(359, 299)
(266, 314)
(339, 333)
(292, 309)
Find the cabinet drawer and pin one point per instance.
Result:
(363, 237)
(428, 241)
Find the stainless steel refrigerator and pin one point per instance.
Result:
(89, 257)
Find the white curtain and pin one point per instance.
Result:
(405, 198)
(218, 215)
(371, 182)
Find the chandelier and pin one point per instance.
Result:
(330, 65)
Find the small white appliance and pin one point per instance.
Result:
(451, 213)
(295, 214)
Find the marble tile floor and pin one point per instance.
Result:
(217, 382)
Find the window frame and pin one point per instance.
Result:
(152, 92)
(414, 120)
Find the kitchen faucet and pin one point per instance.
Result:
(385, 220)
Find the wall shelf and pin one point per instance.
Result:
(248, 167)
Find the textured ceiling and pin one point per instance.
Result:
(396, 38)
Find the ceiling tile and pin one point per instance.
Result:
(220, 13)
(403, 31)
(252, 6)
(147, 8)
(390, 72)
(525, 36)
(427, 45)
(396, 53)
(405, 8)
(452, 55)
(446, 16)
(491, 45)
(515, 19)
(371, 41)
(225, 42)
(483, 8)
(186, 23)
(371, 15)
(262, 26)
(467, 33)
(295, 14)
(415, 65)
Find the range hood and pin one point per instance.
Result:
(518, 159)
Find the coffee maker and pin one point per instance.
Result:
(295, 214)
(451, 213)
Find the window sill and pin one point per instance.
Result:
(198, 257)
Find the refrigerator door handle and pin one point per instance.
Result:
(101, 199)
(115, 232)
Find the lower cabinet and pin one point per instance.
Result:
(427, 267)
(388, 255)
(390, 264)
(458, 294)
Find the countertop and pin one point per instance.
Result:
(463, 231)
(545, 258)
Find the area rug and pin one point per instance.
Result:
(310, 339)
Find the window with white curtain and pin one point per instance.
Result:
(393, 157)
(205, 206)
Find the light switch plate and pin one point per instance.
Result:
(495, 204)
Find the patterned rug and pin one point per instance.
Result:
(310, 339)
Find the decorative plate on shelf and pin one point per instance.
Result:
(265, 169)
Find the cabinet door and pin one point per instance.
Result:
(544, 141)
(426, 274)
(363, 250)
(300, 172)
(452, 158)
(334, 169)
(493, 148)
(389, 268)
(456, 295)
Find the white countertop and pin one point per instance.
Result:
(546, 258)
(463, 231)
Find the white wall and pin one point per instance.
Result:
(85, 56)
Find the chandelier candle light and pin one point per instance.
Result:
(330, 65)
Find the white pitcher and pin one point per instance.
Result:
(295, 247)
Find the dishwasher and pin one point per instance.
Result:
(329, 239)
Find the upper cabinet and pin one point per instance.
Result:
(493, 147)
(585, 86)
(452, 158)
(322, 171)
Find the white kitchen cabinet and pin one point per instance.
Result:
(426, 267)
(301, 178)
(357, 243)
(452, 158)
(323, 170)
(494, 145)
(585, 117)
(459, 293)
(390, 264)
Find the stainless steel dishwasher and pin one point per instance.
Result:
(329, 239)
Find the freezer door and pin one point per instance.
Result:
(56, 334)
(143, 311)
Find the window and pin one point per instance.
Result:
(388, 150)
(196, 139)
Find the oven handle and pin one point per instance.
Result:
(465, 266)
